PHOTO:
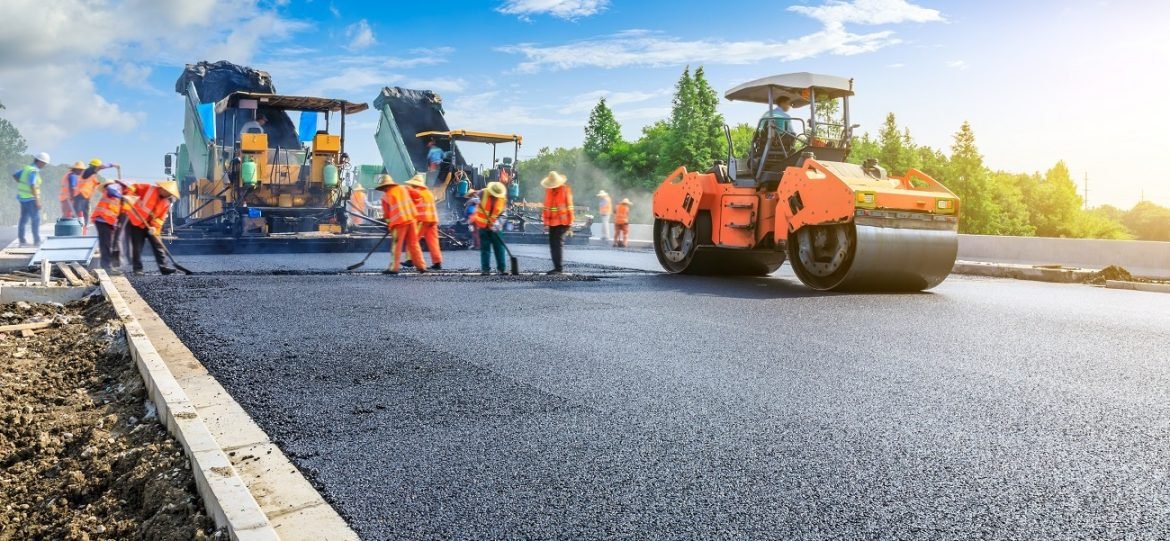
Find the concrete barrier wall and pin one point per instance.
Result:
(1142, 258)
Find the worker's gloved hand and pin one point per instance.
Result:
(132, 199)
(156, 230)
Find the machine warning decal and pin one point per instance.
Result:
(688, 202)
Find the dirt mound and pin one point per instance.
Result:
(82, 455)
(1112, 272)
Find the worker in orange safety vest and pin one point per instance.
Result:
(148, 205)
(88, 182)
(493, 200)
(621, 224)
(398, 213)
(109, 220)
(69, 184)
(557, 216)
(427, 217)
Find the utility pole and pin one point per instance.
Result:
(1086, 190)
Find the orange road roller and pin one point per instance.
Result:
(843, 226)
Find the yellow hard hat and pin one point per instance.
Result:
(95, 162)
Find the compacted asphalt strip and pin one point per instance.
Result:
(637, 405)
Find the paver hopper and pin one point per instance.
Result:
(843, 226)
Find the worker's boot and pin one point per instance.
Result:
(437, 266)
(166, 270)
(554, 272)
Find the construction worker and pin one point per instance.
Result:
(605, 210)
(398, 212)
(109, 219)
(69, 184)
(779, 115)
(148, 205)
(28, 193)
(358, 203)
(557, 216)
(84, 192)
(434, 156)
(427, 217)
(621, 224)
(469, 209)
(493, 200)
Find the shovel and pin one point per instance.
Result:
(511, 258)
(375, 249)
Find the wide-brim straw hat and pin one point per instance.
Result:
(497, 190)
(78, 165)
(602, 193)
(625, 202)
(417, 180)
(387, 181)
(553, 180)
(170, 187)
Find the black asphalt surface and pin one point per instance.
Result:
(647, 406)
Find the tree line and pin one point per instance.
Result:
(993, 202)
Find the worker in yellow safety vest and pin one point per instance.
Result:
(88, 180)
(398, 213)
(427, 217)
(557, 215)
(28, 193)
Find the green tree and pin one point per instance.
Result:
(695, 125)
(741, 138)
(895, 150)
(12, 144)
(863, 148)
(969, 179)
(1148, 221)
(1053, 203)
(1006, 192)
(602, 132)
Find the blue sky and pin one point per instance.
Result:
(1043, 80)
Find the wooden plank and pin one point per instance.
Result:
(26, 326)
(26, 274)
(82, 273)
(69, 276)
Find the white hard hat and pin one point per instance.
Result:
(44, 158)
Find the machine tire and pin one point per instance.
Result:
(822, 255)
(675, 245)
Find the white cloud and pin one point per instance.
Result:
(641, 48)
(872, 12)
(360, 35)
(957, 64)
(896, 66)
(333, 9)
(48, 66)
(420, 57)
(584, 103)
(644, 48)
(563, 9)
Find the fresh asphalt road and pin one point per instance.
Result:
(639, 405)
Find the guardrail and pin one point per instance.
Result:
(1141, 258)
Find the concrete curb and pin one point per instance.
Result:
(224, 493)
(1060, 275)
(291, 509)
(1137, 286)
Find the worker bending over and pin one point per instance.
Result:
(493, 200)
(621, 224)
(557, 215)
(148, 205)
(427, 217)
(398, 212)
(109, 220)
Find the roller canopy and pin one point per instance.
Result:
(292, 103)
(473, 136)
(791, 85)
